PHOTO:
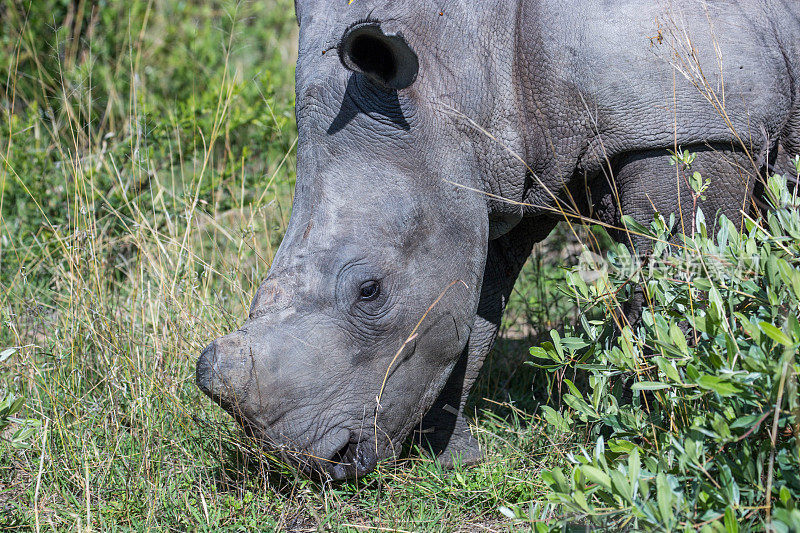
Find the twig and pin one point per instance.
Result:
(39, 477)
(774, 436)
(375, 528)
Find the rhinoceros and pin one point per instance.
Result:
(438, 142)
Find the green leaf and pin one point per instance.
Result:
(552, 353)
(650, 385)
(794, 324)
(559, 479)
(631, 224)
(539, 352)
(731, 524)
(580, 499)
(505, 511)
(597, 476)
(598, 393)
(747, 421)
(572, 388)
(719, 385)
(5, 354)
(775, 334)
(785, 495)
(668, 368)
(15, 407)
(717, 308)
(664, 497)
(555, 419)
(696, 181)
(692, 372)
(621, 485)
(634, 465)
(600, 450)
(557, 343)
(579, 405)
(678, 338)
(621, 446)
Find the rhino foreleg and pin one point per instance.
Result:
(650, 184)
(445, 431)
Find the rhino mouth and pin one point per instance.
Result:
(348, 455)
(337, 461)
(336, 452)
(355, 457)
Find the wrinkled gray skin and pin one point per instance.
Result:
(414, 118)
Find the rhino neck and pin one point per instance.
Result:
(494, 118)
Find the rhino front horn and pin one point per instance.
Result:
(385, 59)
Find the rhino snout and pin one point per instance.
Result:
(205, 369)
(240, 373)
(224, 371)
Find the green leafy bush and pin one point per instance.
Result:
(14, 430)
(694, 412)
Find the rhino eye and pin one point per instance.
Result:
(369, 291)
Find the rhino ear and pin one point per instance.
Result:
(386, 59)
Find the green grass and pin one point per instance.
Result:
(146, 177)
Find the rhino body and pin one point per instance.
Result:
(438, 142)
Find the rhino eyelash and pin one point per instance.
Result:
(367, 20)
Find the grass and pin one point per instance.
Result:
(146, 176)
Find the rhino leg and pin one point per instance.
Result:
(445, 430)
(789, 148)
(648, 184)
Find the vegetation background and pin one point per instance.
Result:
(146, 178)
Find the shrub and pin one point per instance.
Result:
(694, 411)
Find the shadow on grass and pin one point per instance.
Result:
(507, 380)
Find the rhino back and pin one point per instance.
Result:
(604, 78)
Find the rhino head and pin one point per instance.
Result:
(372, 295)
